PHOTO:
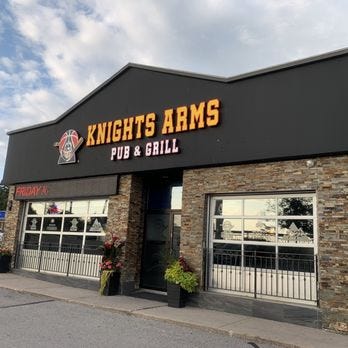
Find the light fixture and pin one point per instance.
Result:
(310, 163)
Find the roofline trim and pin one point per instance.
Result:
(271, 69)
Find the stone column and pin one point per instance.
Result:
(12, 222)
(126, 219)
(333, 242)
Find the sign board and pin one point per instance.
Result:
(76, 188)
(2, 214)
(144, 120)
(185, 118)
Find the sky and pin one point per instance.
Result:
(55, 52)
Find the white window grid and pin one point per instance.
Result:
(277, 244)
(60, 232)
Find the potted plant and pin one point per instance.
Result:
(180, 281)
(111, 266)
(5, 259)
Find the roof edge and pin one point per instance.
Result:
(274, 68)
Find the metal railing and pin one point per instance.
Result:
(68, 260)
(288, 276)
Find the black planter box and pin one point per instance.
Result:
(176, 295)
(112, 286)
(5, 262)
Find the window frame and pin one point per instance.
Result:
(212, 216)
(86, 215)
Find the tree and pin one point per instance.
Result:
(3, 197)
(297, 206)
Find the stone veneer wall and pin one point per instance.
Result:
(12, 222)
(328, 178)
(134, 244)
(125, 217)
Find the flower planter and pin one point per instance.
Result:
(112, 286)
(5, 262)
(176, 295)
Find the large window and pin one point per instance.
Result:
(65, 225)
(264, 220)
(263, 245)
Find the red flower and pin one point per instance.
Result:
(108, 245)
(111, 259)
(184, 265)
(119, 264)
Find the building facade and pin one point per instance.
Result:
(246, 177)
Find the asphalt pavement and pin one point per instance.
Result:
(36, 321)
(248, 328)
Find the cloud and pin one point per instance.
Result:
(55, 52)
(7, 63)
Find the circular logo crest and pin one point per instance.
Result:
(67, 146)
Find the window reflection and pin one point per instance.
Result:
(53, 208)
(99, 206)
(176, 197)
(296, 206)
(228, 207)
(228, 229)
(36, 208)
(176, 235)
(295, 231)
(76, 207)
(260, 230)
(257, 207)
(264, 229)
(59, 226)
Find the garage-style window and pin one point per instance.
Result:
(279, 221)
(65, 225)
(256, 242)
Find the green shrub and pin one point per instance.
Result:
(177, 273)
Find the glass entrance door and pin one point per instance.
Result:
(175, 233)
(161, 244)
(162, 233)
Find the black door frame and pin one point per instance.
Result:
(169, 180)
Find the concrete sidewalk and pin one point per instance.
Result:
(231, 324)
